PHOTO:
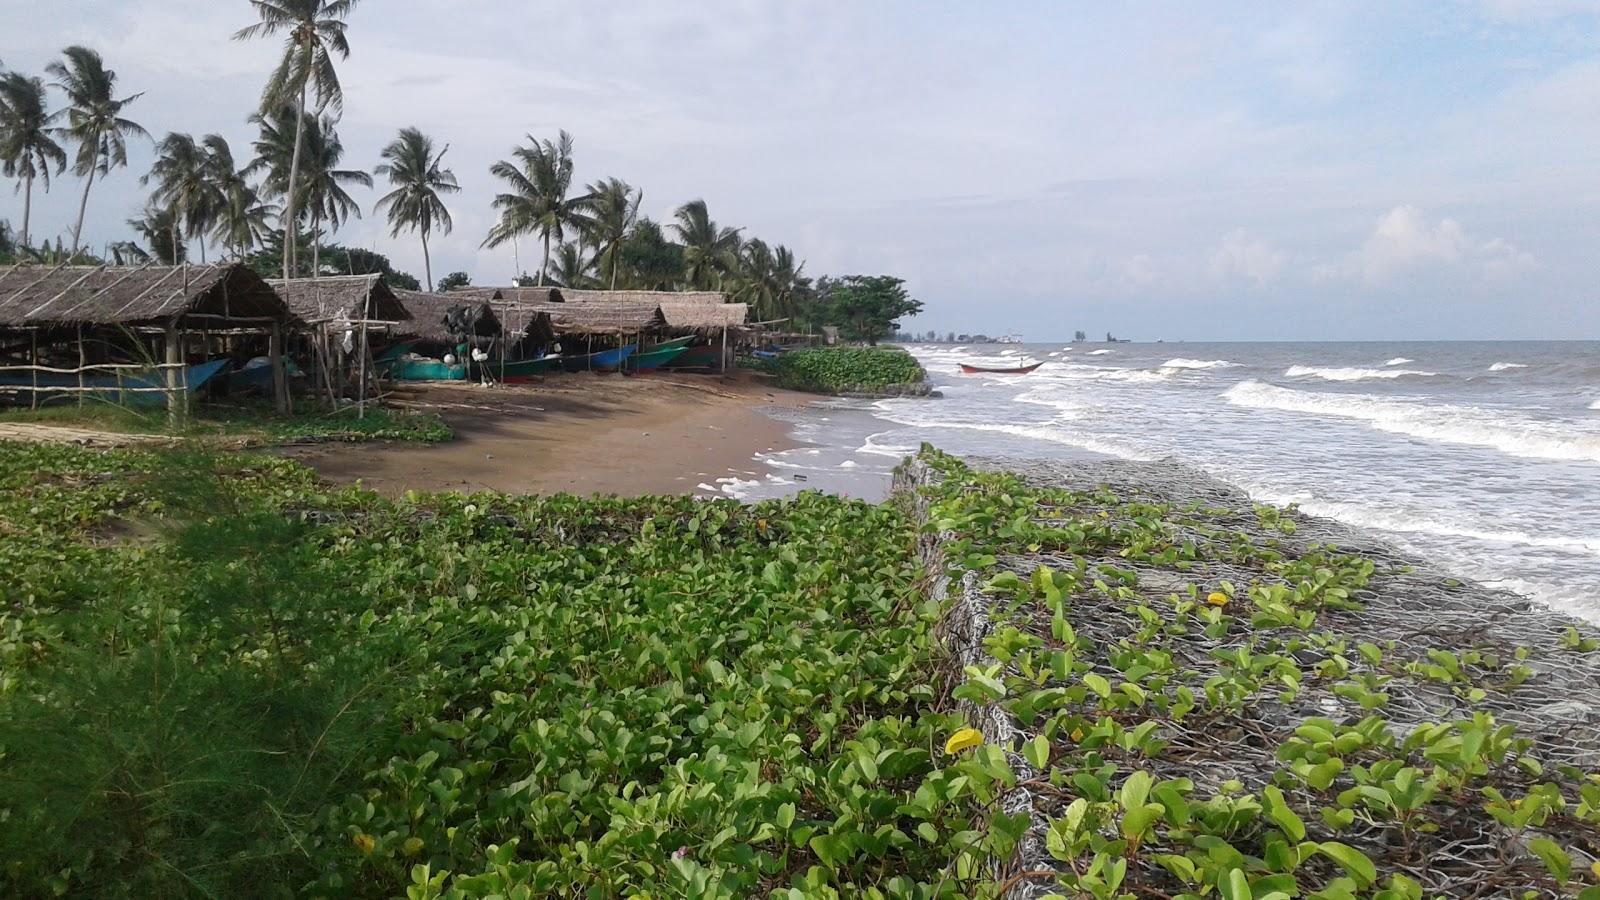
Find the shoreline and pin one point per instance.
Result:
(579, 435)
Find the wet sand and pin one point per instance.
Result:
(581, 434)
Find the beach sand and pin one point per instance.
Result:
(661, 434)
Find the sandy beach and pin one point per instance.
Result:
(577, 434)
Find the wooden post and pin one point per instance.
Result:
(361, 395)
(82, 362)
(724, 351)
(280, 375)
(33, 359)
(174, 357)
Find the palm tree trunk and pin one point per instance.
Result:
(427, 265)
(294, 172)
(27, 207)
(544, 269)
(615, 259)
(83, 207)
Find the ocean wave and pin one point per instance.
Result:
(1338, 373)
(872, 446)
(1595, 405)
(1181, 363)
(1100, 352)
(1035, 432)
(1413, 522)
(1438, 422)
(1070, 372)
(1503, 366)
(1398, 361)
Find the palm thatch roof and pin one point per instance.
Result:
(704, 317)
(342, 297)
(512, 294)
(618, 317)
(128, 295)
(572, 295)
(524, 320)
(430, 311)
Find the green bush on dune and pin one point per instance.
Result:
(836, 370)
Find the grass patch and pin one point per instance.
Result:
(841, 370)
(259, 421)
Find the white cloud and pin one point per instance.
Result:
(1240, 256)
(1405, 240)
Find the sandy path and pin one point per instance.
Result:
(579, 434)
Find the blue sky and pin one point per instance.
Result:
(1244, 171)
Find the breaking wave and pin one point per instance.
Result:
(1181, 363)
(1338, 373)
(1441, 423)
(1398, 361)
(1503, 366)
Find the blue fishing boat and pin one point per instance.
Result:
(130, 389)
(603, 361)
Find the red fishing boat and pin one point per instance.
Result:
(987, 370)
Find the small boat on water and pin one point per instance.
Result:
(991, 370)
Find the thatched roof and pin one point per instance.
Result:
(704, 316)
(610, 317)
(510, 294)
(571, 295)
(428, 312)
(127, 295)
(525, 320)
(348, 297)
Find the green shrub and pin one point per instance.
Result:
(833, 370)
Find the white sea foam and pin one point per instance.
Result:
(1439, 422)
(872, 446)
(1181, 363)
(1503, 366)
(1398, 361)
(1100, 352)
(1595, 405)
(848, 464)
(1341, 373)
(1053, 434)
(1414, 522)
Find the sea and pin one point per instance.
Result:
(1484, 457)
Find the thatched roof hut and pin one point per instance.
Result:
(429, 311)
(571, 295)
(510, 294)
(197, 295)
(342, 297)
(704, 318)
(619, 317)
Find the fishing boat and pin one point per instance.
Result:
(650, 360)
(415, 368)
(668, 345)
(967, 369)
(132, 388)
(697, 358)
(523, 369)
(603, 361)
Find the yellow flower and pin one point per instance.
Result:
(412, 846)
(1077, 735)
(364, 842)
(1217, 598)
(1594, 868)
(963, 739)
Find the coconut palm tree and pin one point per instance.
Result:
(94, 120)
(27, 145)
(709, 252)
(159, 225)
(319, 185)
(616, 209)
(572, 268)
(537, 200)
(756, 281)
(413, 169)
(182, 173)
(794, 288)
(240, 220)
(314, 34)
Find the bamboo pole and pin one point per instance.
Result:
(83, 361)
(33, 357)
(361, 390)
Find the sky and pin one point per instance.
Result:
(1250, 171)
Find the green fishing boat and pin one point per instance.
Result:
(522, 369)
(653, 359)
(670, 345)
(404, 369)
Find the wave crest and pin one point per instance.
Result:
(1438, 422)
(1399, 361)
(1182, 363)
(1503, 366)
(1342, 373)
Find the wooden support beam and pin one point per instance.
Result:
(175, 405)
(280, 375)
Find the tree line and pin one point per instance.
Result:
(275, 208)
